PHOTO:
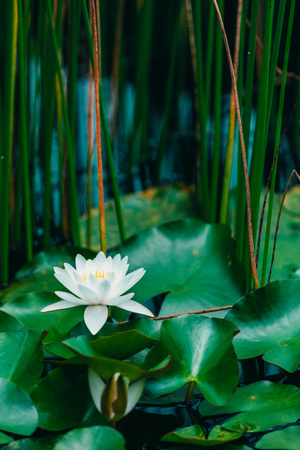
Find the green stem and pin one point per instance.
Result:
(190, 391)
(70, 149)
(108, 148)
(24, 136)
(278, 131)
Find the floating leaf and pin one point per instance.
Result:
(194, 435)
(9, 323)
(202, 351)
(107, 367)
(141, 210)
(287, 439)
(185, 258)
(4, 439)
(38, 275)
(45, 443)
(96, 438)
(261, 405)
(62, 398)
(18, 414)
(21, 357)
(27, 309)
(269, 321)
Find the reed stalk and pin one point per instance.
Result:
(277, 138)
(108, 148)
(10, 51)
(231, 128)
(74, 213)
(98, 135)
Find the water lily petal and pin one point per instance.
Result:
(68, 283)
(127, 282)
(99, 260)
(70, 270)
(80, 263)
(136, 308)
(102, 289)
(95, 317)
(116, 301)
(88, 294)
(71, 298)
(90, 267)
(135, 391)
(96, 385)
(122, 268)
(64, 304)
(116, 260)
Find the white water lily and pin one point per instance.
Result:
(97, 284)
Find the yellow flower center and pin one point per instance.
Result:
(97, 274)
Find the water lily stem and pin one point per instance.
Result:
(98, 136)
(190, 391)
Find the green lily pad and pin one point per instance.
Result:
(287, 439)
(43, 443)
(18, 413)
(261, 405)
(21, 357)
(185, 258)
(194, 435)
(4, 439)
(27, 309)
(141, 210)
(216, 447)
(107, 367)
(62, 398)
(96, 438)
(202, 351)
(38, 275)
(9, 323)
(269, 322)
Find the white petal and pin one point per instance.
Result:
(103, 289)
(88, 294)
(70, 270)
(95, 317)
(116, 301)
(90, 267)
(80, 263)
(135, 391)
(130, 280)
(68, 283)
(96, 385)
(136, 308)
(99, 260)
(116, 260)
(64, 304)
(70, 298)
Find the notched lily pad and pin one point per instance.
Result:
(194, 262)
(202, 351)
(96, 438)
(261, 405)
(107, 367)
(194, 435)
(268, 319)
(18, 413)
(21, 357)
(287, 439)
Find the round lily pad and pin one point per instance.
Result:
(287, 439)
(202, 352)
(194, 435)
(261, 405)
(268, 320)
(18, 413)
(96, 438)
(194, 262)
